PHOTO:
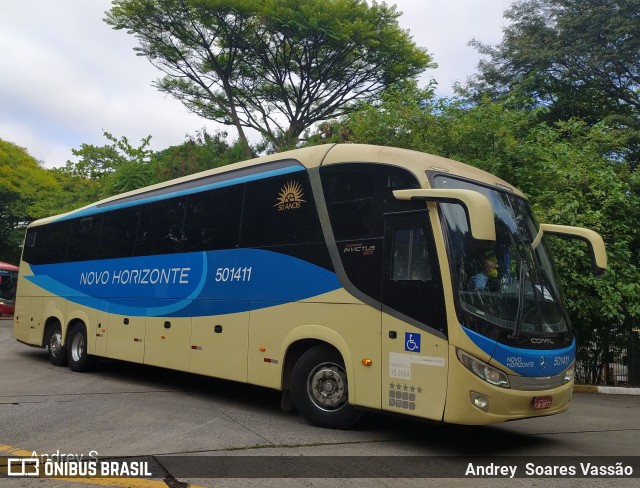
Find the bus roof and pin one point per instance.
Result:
(416, 162)
(311, 157)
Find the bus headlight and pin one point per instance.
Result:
(568, 375)
(482, 370)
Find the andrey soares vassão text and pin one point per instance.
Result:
(582, 469)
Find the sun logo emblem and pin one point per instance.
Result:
(290, 196)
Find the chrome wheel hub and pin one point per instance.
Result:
(328, 387)
(77, 347)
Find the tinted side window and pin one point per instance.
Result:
(52, 245)
(280, 211)
(29, 250)
(84, 234)
(410, 256)
(359, 194)
(160, 229)
(362, 261)
(118, 233)
(411, 281)
(212, 219)
(49, 243)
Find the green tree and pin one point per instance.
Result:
(199, 152)
(276, 66)
(484, 134)
(570, 171)
(566, 171)
(579, 58)
(580, 61)
(28, 192)
(113, 168)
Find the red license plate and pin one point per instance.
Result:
(542, 403)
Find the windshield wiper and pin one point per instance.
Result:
(520, 313)
(555, 298)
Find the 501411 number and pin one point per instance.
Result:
(226, 275)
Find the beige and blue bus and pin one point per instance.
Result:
(350, 277)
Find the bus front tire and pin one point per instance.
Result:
(319, 389)
(78, 358)
(55, 347)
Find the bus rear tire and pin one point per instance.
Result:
(55, 347)
(319, 389)
(78, 358)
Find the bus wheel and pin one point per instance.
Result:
(319, 389)
(55, 348)
(78, 358)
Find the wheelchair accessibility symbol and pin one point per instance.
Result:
(411, 342)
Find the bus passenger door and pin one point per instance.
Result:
(414, 345)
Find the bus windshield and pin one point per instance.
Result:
(510, 289)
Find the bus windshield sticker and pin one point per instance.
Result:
(399, 365)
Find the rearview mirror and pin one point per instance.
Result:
(476, 206)
(592, 238)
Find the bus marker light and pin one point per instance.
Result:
(366, 362)
(480, 401)
(568, 375)
(162, 337)
(262, 349)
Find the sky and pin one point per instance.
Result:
(66, 76)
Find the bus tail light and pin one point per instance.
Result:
(482, 370)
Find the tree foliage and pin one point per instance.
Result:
(27, 192)
(113, 168)
(275, 66)
(199, 152)
(578, 58)
(570, 171)
(579, 63)
(554, 109)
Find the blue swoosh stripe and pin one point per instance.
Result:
(526, 362)
(186, 285)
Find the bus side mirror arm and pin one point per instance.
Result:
(592, 238)
(476, 206)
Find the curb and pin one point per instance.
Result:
(610, 390)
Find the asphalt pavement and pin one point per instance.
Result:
(178, 423)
